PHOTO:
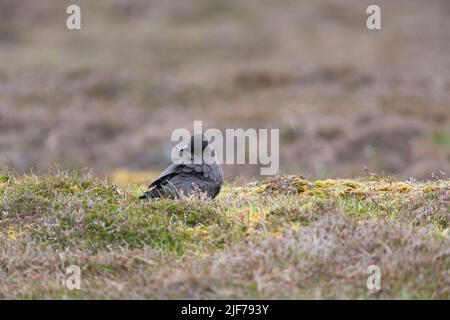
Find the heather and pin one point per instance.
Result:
(284, 237)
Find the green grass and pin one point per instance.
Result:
(285, 238)
(442, 138)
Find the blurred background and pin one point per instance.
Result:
(108, 96)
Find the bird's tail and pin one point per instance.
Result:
(159, 192)
(151, 194)
(144, 196)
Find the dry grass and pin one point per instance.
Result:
(285, 238)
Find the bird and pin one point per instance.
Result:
(197, 173)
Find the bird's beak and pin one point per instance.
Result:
(182, 148)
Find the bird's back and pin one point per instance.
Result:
(180, 180)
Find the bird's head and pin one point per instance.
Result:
(199, 148)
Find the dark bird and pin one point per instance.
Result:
(198, 173)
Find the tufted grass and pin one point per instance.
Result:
(283, 238)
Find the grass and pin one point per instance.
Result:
(109, 95)
(442, 138)
(283, 238)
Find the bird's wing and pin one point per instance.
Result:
(169, 172)
(187, 183)
(186, 179)
(176, 169)
(216, 173)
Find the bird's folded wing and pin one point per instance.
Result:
(176, 168)
(169, 172)
(187, 183)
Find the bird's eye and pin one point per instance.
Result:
(183, 149)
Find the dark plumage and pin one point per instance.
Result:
(187, 178)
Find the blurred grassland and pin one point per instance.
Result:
(108, 96)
